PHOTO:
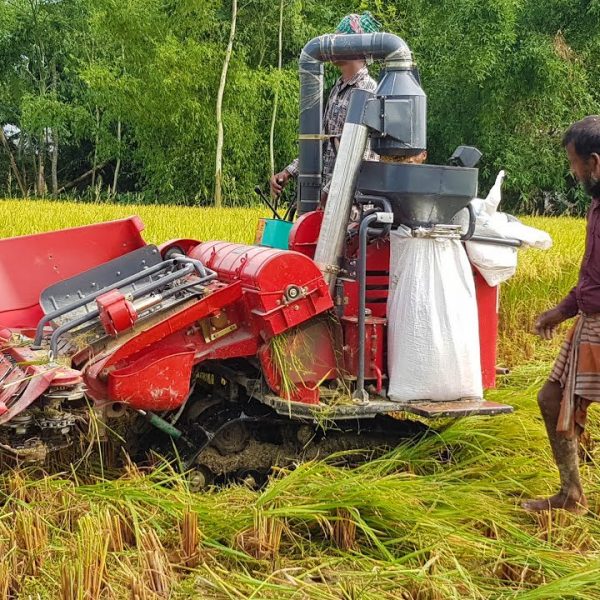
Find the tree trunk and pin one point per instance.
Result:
(54, 163)
(13, 163)
(276, 99)
(81, 178)
(118, 165)
(119, 135)
(34, 164)
(96, 141)
(54, 136)
(22, 162)
(219, 152)
(41, 170)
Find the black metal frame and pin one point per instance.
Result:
(168, 271)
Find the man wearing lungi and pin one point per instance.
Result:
(575, 378)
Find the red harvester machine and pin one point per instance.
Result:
(236, 353)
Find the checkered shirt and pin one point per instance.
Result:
(333, 121)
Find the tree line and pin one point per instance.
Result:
(196, 101)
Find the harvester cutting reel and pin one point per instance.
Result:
(43, 404)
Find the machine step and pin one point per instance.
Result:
(374, 407)
(456, 408)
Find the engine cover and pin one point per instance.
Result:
(281, 288)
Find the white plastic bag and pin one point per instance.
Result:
(495, 263)
(498, 263)
(433, 331)
(530, 236)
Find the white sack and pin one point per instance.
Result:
(499, 263)
(530, 236)
(433, 331)
(494, 197)
(495, 263)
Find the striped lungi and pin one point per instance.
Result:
(581, 382)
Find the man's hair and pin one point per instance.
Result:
(585, 136)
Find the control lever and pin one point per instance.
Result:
(267, 202)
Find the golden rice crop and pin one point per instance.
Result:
(435, 519)
(23, 217)
(542, 278)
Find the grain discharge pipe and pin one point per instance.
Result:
(394, 116)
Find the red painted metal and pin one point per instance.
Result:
(261, 292)
(488, 299)
(172, 342)
(29, 264)
(23, 381)
(269, 277)
(27, 393)
(116, 312)
(305, 232)
(314, 352)
(378, 278)
(158, 380)
(180, 323)
(375, 347)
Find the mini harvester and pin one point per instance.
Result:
(243, 356)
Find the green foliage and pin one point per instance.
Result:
(507, 76)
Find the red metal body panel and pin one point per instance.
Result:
(305, 232)
(116, 312)
(158, 380)
(378, 281)
(266, 276)
(314, 361)
(221, 295)
(151, 369)
(375, 347)
(177, 332)
(249, 304)
(29, 264)
(487, 307)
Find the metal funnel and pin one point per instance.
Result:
(420, 195)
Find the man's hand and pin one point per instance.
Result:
(547, 322)
(279, 181)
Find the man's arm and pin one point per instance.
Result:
(568, 306)
(293, 168)
(280, 180)
(547, 322)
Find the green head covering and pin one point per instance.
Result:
(354, 23)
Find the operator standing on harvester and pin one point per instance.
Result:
(354, 76)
